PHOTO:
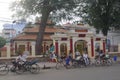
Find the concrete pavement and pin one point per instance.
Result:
(92, 73)
(50, 65)
(47, 65)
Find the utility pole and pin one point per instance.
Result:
(13, 28)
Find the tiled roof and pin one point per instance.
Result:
(47, 30)
(31, 37)
(72, 25)
(27, 33)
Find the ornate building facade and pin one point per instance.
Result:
(69, 37)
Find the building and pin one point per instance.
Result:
(9, 31)
(69, 37)
(26, 40)
(8, 34)
(78, 37)
(113, 40)
(62, 39)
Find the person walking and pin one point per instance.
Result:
(70, 55)
(77, 53)
(86, 58)
(54, 57)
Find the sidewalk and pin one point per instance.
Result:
(50, 65)
(47, 65)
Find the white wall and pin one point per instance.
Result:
(114, 38)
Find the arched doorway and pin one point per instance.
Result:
(80, 45)
(21, 48)
(63, 49)
(97, 47)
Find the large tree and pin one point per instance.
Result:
(2, 43)
(102, 14)
(44, 8)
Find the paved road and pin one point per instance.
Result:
(91, 73)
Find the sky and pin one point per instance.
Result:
(5, 13)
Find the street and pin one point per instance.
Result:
(90, 73)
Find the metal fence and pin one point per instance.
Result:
(113, 48)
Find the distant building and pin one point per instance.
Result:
(8, 33)
(0, 34)
(11, 30)
(113, 40)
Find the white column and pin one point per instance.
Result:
(89, 48)
(74, 40)
(68, 47)
(101, 45)
(118, 47)
(8, 50)
(33, 49)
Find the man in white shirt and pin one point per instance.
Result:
(85, 56)
(20, 60)
(77, 53)
(78, 58)
(23, 56)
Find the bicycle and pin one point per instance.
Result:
(103, 61)
(4, 69)
(106, 62)
(79, 63)
(31, 66)
(61, 64)
(20, 67)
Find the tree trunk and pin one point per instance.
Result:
(105, 30)
(45, 15)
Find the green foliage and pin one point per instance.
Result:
(2, 42)
(102, 14)
(60, 9)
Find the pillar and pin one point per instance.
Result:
(56, 47)
(28, 46)
(44, 47)
(8, 50)
(33, 49)
(101, 45)
(119, 48)
(12, 48)
(92, 47)
(104, 46)
(89, 48)
(15, 47)
(71, 45)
